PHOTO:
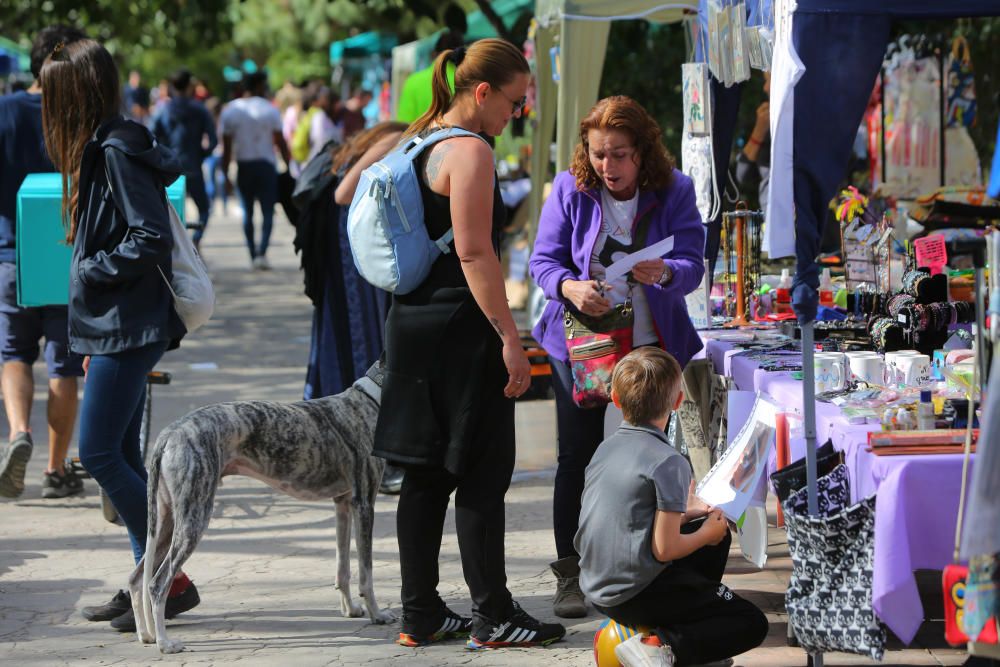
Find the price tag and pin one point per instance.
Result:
(931, 252)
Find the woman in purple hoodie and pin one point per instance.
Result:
(621, 174)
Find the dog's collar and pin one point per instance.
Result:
(367, 386)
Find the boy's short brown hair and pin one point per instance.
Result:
(646, 381)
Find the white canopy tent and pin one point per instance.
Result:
(580, 29)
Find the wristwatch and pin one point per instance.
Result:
(667, 275)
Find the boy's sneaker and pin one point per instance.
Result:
(640, 651)
(449, 626)
(176, 604)
(118, 605)
(13, 464)
(55, 485)
(518, 630)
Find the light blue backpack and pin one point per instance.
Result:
(385, 225)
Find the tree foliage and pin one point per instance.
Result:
(291, 37)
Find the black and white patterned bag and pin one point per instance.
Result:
(829, 597)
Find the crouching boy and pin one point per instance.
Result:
(650, 553)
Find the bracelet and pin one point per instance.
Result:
(666, 276)
(755, 142)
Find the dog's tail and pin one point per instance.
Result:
(153, 482)
(150, 564)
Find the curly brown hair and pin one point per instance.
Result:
(622, 113)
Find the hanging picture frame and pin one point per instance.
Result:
(695, 89)
(741, 60)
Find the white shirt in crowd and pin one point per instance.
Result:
(251, 122)
(617, 218)
(322, 130)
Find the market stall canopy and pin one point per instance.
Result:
(361, 46)
(509, 11)
(834, 52)
(580, 29)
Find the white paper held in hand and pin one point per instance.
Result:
(625, 264)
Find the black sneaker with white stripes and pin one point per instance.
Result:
(419, 633)
(518, 630)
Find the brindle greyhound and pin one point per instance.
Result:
(310, 450)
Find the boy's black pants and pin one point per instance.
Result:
(701, 619)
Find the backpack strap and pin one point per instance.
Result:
(416, 145)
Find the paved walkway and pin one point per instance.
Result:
(267, 564)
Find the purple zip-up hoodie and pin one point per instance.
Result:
(567, 230)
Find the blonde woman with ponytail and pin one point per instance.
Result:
(454, 365)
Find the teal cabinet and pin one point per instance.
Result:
(43, 256)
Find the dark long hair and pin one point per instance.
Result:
(80, 92)
(494, 61)
(351, 151)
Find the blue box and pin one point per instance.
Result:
(43, 257)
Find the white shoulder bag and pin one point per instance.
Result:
(191, 286)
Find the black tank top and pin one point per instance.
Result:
(447, 270)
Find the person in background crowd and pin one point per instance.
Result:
(214, 183)
(121, 313)
(652, 553)
(251, 130)
(289, 100)
(158, 98)
(322, 128)
(136, 98)
(753, 164)
(621, 174)
(300, 143)
(454, 363)
(22, 151)
(352, 118)
(201, 91)
(349, 315)
(366, 323)
(415, 98)
(185, 125)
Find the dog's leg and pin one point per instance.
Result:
(136, 592)
(157, 548)
(364, 524)
(190, 495)
(347, 605)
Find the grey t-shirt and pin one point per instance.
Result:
(633, 474)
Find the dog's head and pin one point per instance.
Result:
(370, 383)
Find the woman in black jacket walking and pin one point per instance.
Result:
(121, 314)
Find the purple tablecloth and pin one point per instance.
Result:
(917, 496)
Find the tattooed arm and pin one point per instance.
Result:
(464, 167)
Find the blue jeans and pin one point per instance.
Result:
(110, 417)
(257, 180)
(195, 182)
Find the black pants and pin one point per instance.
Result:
(579, 431)
(479, 523)
(701, 619)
